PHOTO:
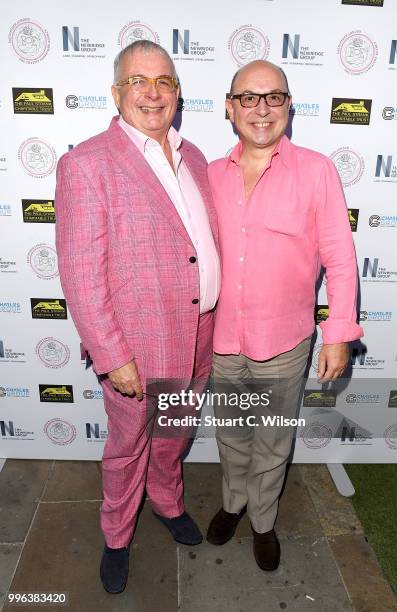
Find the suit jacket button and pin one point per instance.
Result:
(195, 301)
(192, 259)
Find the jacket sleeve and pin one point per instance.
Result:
(82, 248)
(337, 256)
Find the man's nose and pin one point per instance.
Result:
(262, 109)
(152, 91)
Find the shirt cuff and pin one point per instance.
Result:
(340, 330)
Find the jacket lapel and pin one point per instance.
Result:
(128, 156)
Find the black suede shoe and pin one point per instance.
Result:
(223, 526)
(182, 528)
(266, 550)
(114, 569)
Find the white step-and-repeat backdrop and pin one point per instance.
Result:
(341, 60)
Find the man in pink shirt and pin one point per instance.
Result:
(136, 239)
(282, 215)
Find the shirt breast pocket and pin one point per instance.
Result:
(285, 218)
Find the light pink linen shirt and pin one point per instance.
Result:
(272, 248)
(185, 195)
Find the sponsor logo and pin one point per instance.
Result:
(389, 113)
(38, 211)
(350, 111)
(14, 392)
(90, 394)
(29, 101)
(9, 431)
(5, 210)
(353, 214)
(361, 360)
(248, 43)
(363, 398)
(375, 315)
(10, 355)
(390, 436)
(296, 53)
(316, 435)
(183, 46)
(363, 2)
(351, 433)
(86, 102)
(321, 313)
(197, 105)
(393, 54)
(306, 109)
(393, 399)
(357, 52)
(29, 40)
(3, 161)
(37, 157)
(8, 265)
(60, 432)
(315, 398)
(136, 30)
(43, 261)
(349, 164)
(373, 272)
(56, 393)
(94, 433)
(48, 308)
(383, 221)
(76, 45)
(12, 307)
(386, 169)
(52, 352)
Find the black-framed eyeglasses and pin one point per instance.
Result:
(250, 100)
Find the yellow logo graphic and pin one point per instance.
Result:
(351, 107)
(34, 96)
(55, 305)
(56, 391)
(45, 207)
(316, 395)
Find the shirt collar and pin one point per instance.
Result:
(142, 141)
(283, 150)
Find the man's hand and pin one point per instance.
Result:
(126, 380)
(333, 360)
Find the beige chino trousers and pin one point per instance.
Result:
(254, 461)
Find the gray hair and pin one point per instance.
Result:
(147, 46)
(240, 69)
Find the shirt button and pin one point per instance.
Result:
(243, 229)
(241, 258)
(240, 286)
(195, 301)
(239, 201)
(192, 259)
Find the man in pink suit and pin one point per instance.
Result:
(138, 262)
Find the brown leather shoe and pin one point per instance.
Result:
(223, 526)
(266, 550)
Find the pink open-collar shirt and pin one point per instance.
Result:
(185, 195)
(273, 245)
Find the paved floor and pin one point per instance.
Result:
(50, 541)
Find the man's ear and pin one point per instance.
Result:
(116, 96)
(229, 110)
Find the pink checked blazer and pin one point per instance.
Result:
(123, 255)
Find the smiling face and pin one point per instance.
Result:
(151, 112)
(261, 127)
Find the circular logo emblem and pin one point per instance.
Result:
(363, 315)
(390, 436)
(134, 31)
(388, 113)
(316, 435)
(3, 392)
(43, 261)
(351, 398)
(29, 41)
(374, 220)
(37, 157)
(357, 52)
(59, 431)
(71, 101)
(52, 353)
(349, 165)
(247, 44)
(316, 356)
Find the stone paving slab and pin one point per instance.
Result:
(227, 579)
(74, 480)
(9, 555)
(21, 485)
